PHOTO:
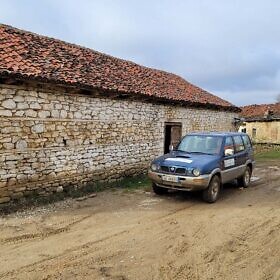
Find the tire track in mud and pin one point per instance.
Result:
(107, 273)
(78, 249)
(174, 212)
(81, 250)
(98, 264)
(251, 247)
(236, 253)
(42, 235)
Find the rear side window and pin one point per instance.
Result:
(246, 141)
(239, 146)
(229, 143)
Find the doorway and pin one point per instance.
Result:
(172, 135)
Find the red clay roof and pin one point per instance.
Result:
(29, 56)
(261, 111)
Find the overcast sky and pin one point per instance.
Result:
(230, 48)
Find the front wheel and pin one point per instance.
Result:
(245, 180)
(159, 190)
(211, 194)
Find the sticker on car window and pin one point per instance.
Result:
(180, 160)
(229, 162)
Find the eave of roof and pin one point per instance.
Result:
(30, 57)
(262, 119)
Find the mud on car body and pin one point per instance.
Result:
(204, 161)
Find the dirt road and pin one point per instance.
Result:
(137, 235)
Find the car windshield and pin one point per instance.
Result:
(201, 144)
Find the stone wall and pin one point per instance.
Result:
(51, 138)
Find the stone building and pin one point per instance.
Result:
(262, 122)
(70, 115)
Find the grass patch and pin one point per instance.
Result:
(271, 155)
(134, 183)
(127, 183)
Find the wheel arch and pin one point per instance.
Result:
(250, 165)
(216, 172)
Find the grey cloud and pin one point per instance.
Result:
(230, 48)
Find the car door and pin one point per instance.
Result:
(248, 147)
(240, 155)
(229, 166)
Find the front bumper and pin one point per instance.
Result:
(185, 183)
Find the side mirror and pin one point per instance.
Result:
(229, 152)
(171, 148)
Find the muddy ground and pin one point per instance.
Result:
(136, 235)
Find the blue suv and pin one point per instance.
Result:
(204, 161)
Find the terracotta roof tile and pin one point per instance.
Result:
(30, 56)
(262, 110)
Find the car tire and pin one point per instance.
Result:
(159, 190)
(244, 181)
(211, 194)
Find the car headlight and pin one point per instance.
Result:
(154, 167)
(196, 172)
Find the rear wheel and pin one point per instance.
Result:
(159, 190)
(245, 180)
(211, 194)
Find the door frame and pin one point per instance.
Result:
(165, 128)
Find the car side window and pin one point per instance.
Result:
(239, 145)
(246, 141)
(229, 146)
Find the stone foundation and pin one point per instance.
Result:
(266, 147)
(52, 138)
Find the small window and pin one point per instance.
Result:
(239, 146)
(247, 141)
(254, 132)
(229, 143)
(243, 130)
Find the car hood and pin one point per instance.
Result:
(206, 163)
